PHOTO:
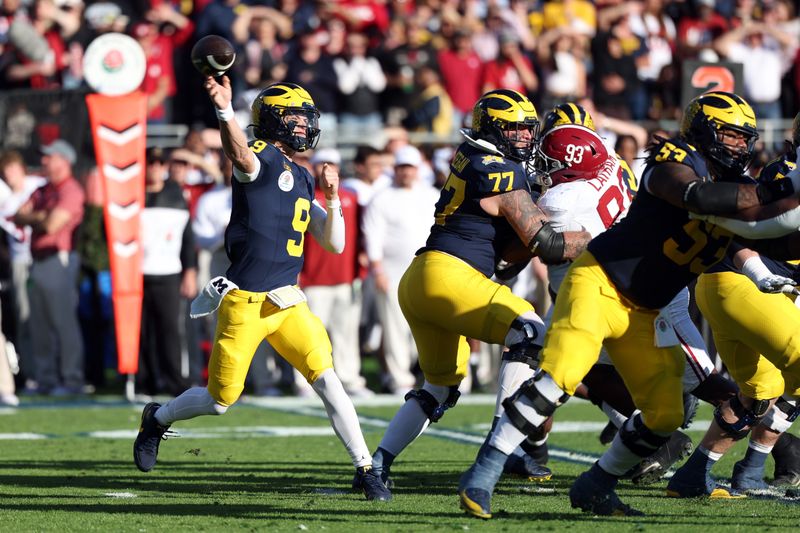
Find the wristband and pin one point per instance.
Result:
(755, 269)
(333, 204)
(224, 115)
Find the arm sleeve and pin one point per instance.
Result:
(244, 177)
(327, 227)
(783, 224)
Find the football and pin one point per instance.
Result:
(213, 55)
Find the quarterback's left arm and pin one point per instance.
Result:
(327, 225)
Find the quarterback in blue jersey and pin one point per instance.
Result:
(446, 294)
(612, 294)
(272, 209)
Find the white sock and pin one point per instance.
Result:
(343, 417)
(614, 416)
(410, 421)
(714, 456)
(761, 448)
(193, 402)
(512, 375)
(506, 437)
(618, 458)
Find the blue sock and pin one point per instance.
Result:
(381, 459)
(753, 459)
(486, 470)
(699, 462)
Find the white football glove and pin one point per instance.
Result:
(755, 269)
(777, 284)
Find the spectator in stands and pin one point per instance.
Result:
(170, 273)
(462, 75)
(400, 61)
(95, 307)
(615, 76)
(370, 177)
(35, 57)
(311, 67)
(561, 55)
(264, 53)
(511, 69)
(698, 30)
(432, 110)
(369, 17)
(655, 66)
(332, 284)
(54, 213)
(360, 79)
(767, 54)
(20, 186)
(396, 224)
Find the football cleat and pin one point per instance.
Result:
(372, 485)
(685, 484)
(592, 497)
(525, 466)
(384, 475)
(151, 433)
(476, 502)
(653, 468)
(787, 461)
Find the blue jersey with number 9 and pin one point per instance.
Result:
(656, 250)
(269, 218)
(462, 228)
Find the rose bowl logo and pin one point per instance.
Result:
(113, 61)
(114, 64)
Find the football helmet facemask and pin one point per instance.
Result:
(573, 153)
(712, 113)
(504, 110)
(567, 113)
(275, 114)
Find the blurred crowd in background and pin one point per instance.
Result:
(394, 81)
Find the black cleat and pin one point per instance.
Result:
(787, 461)
(590, 496)
(653, 468)
(476, 502)
(374, 489)
(151, 433)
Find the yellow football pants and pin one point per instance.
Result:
(589, 313)
(244, 320)
(444, 301)
(757, 334)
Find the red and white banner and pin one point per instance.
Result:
(119, 133)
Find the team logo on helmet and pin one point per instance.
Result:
(507, 120)
(712, 113)
(573, 153)
(277, 112)
(568, 113)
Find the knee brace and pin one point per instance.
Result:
(640, 439)
(779, 419)
(527, 336)
(540, 393)
(745, 418)
(430, 406)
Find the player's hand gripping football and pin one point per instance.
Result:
(220, 93)
(329, 181)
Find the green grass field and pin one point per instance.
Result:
(276, 466)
